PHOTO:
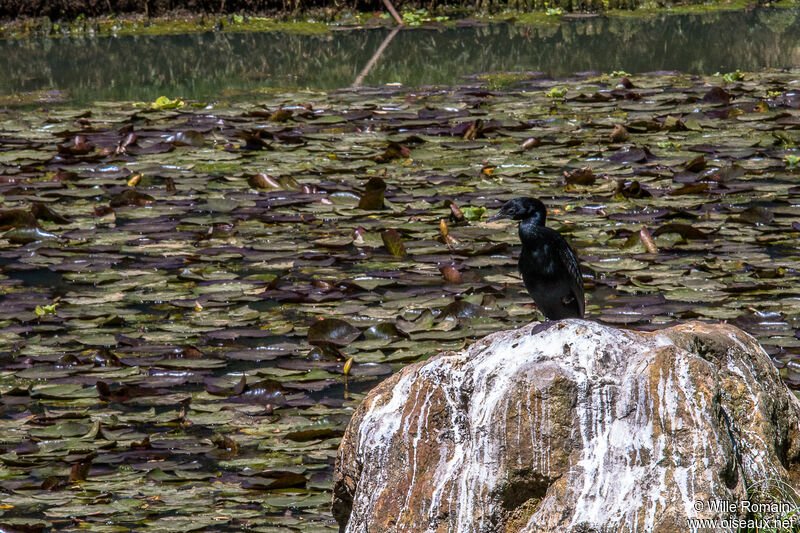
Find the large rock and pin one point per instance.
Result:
(571, 427)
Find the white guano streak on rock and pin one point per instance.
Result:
(415, 436)
(544, 432)
(380, 425)
(493, 377)
(674, 390)
(493, 369)
(755, 467)
(466, 476)
(611, 446)
(684, 382)
(608, 443)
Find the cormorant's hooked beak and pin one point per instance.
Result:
(498, 216)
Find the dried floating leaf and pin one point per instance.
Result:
(462, 309)
(531, 142)
(696, 165)
(280, 115)
(253, 141)
(393, 151)
(43, 212)
(445, 236)
(456, 215)
(673, 123)
(757, 215)
(393, 242)
(134, 180)
(79, 146)
(51, 483)
(372, 198)
(275, 481)
(643, 126)
(717, 95)
(263, 181)
(691, 188)
(631, 155)
(17, 218)
(450, 274)
(80, 470)
(128, 140)
(186, 138)
(131, 197)
(647, 240)
(684, 230)
(620, 134)
(306, 435)
(580, 176)
(632, 189)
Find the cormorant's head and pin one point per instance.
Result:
(523, 209)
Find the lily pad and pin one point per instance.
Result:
(332, 331)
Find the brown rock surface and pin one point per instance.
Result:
(572, 427)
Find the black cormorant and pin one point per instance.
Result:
(548, 265)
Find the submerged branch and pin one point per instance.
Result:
(374, 59)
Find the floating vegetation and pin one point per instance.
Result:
(138, 24)
(503, 80)
(162, 103)
(195, 298)
(732, 77)
(419, 16)
(556, 93)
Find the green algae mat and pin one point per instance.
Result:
(194, 297)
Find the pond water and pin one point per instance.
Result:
(198, 66)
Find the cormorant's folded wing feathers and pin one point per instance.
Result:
(570, 260)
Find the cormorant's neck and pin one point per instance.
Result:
(529, 227)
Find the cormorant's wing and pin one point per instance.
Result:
(570, 260)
